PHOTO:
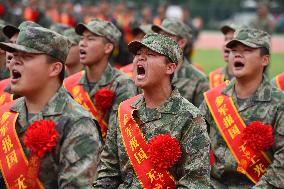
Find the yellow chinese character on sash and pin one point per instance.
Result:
(253, 160)
(223, 110)
(11, 159)
(219, 101)
(228, 121)
(4, 117)
(3, 130)
(85, 106)
(75, 90)
(21, 182)
(77, 99)
(158, 186)
(125, 119)
(140, 156)
(128, 132)
(234, 131)
(259, 169)
(2, 99)
(133, 144)
(153, 175)
(7, 144)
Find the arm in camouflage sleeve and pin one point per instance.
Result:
(201, 87)
(108, 173)
(195, 164)
(274, 177)
(124, 90)
(79, 155)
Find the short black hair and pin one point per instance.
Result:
(263, 52)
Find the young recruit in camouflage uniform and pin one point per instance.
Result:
(265, 105)
(190, 82)
(111, 78)
(72, 163)
(176, 116)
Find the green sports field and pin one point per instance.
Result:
(212, 59)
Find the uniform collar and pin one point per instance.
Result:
(106, 79)
(55, 105)
(262, 94)
(170, 106)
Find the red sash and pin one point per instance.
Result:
(230, 124)
(216, 78)
(280, 81)
(137, 150)
(128, 69)
(82, 97)
(13, 161)
(4, 96)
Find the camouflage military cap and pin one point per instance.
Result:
(101, 28)
(10, 30)
(228, 27)
(160, 44)
(250, 37)
(2, 36)
(145, 28)
(59, 28)
(40, 40)
(175, 27)
(72, 36)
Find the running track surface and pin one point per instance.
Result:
(214, 40)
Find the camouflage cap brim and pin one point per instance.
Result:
(134, 46)
(11, 47)
(10, 30)
(157, 29)
(80, 28)
(234, 42)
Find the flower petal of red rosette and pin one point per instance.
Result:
(41, 137)
(258, 136)
(164, 151)
(104, 99)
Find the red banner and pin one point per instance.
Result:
(216, 78)
(13, 161)
(137, 150)
(230, 124)
(82, 97)
(280, 81)
(4, 96)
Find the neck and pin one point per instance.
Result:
(74, 69)
(95, 71)
(245, 88)
(156, 96)
(38, 100)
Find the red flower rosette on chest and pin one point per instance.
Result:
(41, 137)
(104, 99)
(258, 136)
(164, 151)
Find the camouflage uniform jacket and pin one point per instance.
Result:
(4, 73)
(191, 83)
(115, 80)
(179, 118)
(73, 162)
(267, 106)
(226, 73)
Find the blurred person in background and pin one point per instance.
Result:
(263, 21)
(72, 63)
(138, 33)
(278, 81)
(99, 88)
(222, 74)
